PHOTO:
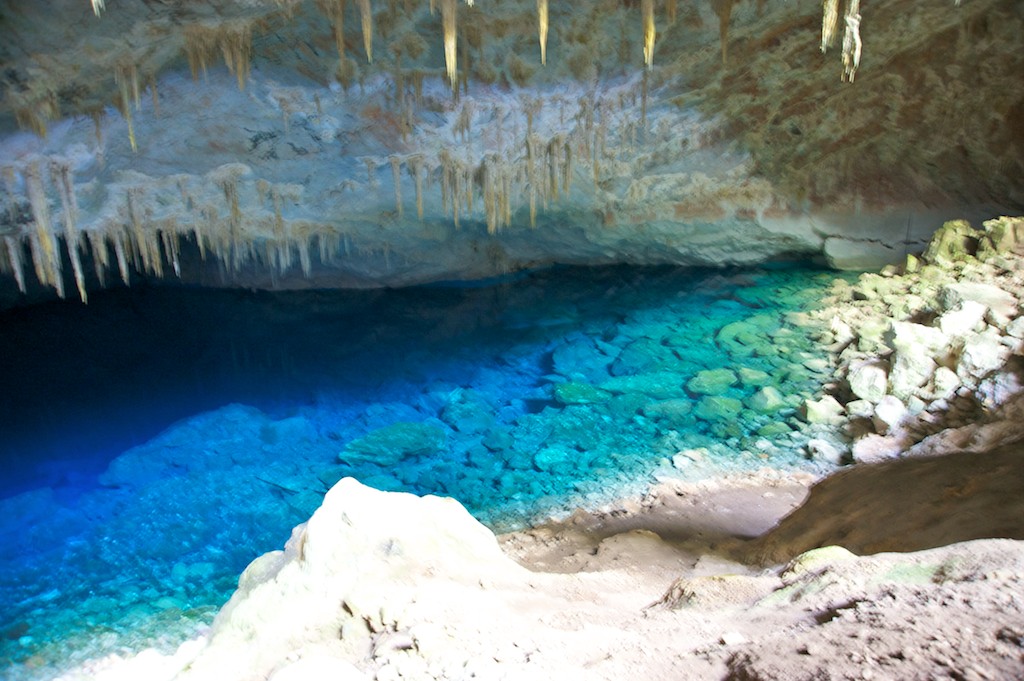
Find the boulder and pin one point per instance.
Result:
(715, 408)
(712, 382)
(910, 371)
(823, 450)
(982, 354)
(393, 444)
(1002, 236)
(911, 338)
(875, 448)
(580, 393)
(868, 380)
(767, 400)
(952, 243)
(888, 413)
(826, 411)
(962, 319)
(659, 385)
(1002, 305)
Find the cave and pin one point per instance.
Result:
(478, 339)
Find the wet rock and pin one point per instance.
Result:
(712, 382)
(660, 385)
(580, 393)
(395, 443)
(715, 408)
(467, 412)
(755, 378)
(580, 359)
(767, 400)
(825, 411)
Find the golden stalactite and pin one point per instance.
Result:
(542, 29)
(647, 11)
(829, 23)
(671, 10)
(366, 14)
(449, 9)
(127, 76)
(851, 40)
(724, 11)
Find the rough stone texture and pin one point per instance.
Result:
(315, 173)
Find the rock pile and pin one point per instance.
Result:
(936, 343)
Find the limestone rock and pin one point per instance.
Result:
(1002, 304)
(823, 450)
(767, 400)
(392, 444)
(756, 378)
(962, 319)
(868, 380)
(712, 382)
(910, 338)
(910, 371)
(874, 448)
(888, 413)
(954, 242)
(825, 411)
(659, 385)
(580, 393)
(1001, 236)
(982, 353)
(715, 408)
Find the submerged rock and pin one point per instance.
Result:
(712, 382)
(395, 443)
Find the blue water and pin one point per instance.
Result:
(159, 439)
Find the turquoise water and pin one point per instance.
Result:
(160, 439)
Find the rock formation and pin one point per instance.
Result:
(332, 150)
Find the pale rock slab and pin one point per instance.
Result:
(888, 414)
(1001, 304)
(963, 319)
(982, 354)
(910, 371)
(868, 380)
(825, 411)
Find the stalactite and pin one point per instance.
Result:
(302, 243)
(49, 265)
(542, 29)
(98, 6)
(60, 175)
(851, 40)
(366, 13)
(122, 256)
(647, 11)
(335, 12)
(169, 240)
(415, 165)
(14, 254)
(100, 254)
(829, 23)
(671, 10)
(396, 178)
(140, 248)
(125, 75)
(724, 17)
(233, 41)
(449, 9)
(97, 122)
